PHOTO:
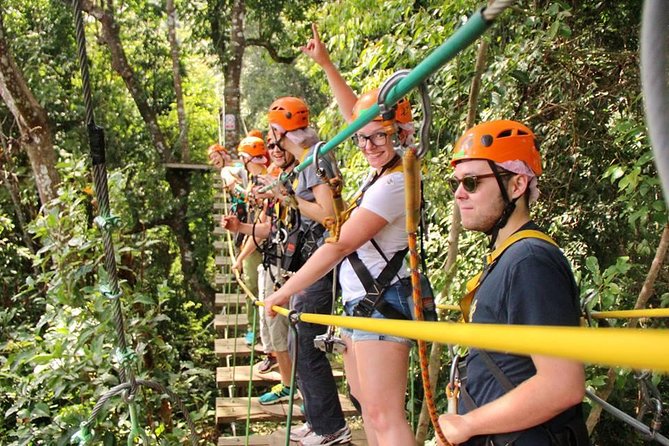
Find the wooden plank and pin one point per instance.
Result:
(229, 410)
(221, 245)
(229, 300)
(220, 206)
(219, 231)
(223, 260)
(223, 321)
(241, 374)
(278, 438)
(224, 279)
(234, 346)
(204, 167)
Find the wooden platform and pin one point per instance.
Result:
(235, 346)
(278, 438)
(230, 321)
(229, 410)
(224, 376)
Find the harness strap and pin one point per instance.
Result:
(374, 288)
(475, 282)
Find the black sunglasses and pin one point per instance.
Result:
(471, 182)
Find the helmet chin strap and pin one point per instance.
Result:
(509, 207)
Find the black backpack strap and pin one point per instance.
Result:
(496, 371)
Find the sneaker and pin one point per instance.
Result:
(276, 395)
(299, 432)
(250, 338)
(342, 436)
(268, 364)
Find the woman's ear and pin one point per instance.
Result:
(400, 137)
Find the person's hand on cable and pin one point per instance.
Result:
(277, 298)
(238, 266)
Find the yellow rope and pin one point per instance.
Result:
(624, 347)
(648, 312)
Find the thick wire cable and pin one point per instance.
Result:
(106, 223)
(622, 416)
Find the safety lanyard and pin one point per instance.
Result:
(475, 282)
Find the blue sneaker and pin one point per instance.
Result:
(276, 395)
(250, 338)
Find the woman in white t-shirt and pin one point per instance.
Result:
(376, 364)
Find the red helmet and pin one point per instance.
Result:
(400, 112)
(290, 113)
(499, 141)
(253, 147)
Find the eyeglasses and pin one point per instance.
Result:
(377, 139)
(274, 145)
(471, 182)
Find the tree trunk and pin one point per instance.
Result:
(32, 120)
(176, 73)
(111, 37)
(641, 302)
(233, 71)
(453, 237)
(180, 186)
(8, 178)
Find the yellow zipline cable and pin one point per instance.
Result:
(623, 347)
(647, 312)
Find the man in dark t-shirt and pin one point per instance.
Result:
(505, 398)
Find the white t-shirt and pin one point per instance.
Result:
(385, 198)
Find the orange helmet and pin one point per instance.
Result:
(290, 113)
(253, 147)
(400, 112)
(499, 141)
(255, 132)
(216, 148)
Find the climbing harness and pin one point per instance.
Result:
(489, 261)
(111, 290)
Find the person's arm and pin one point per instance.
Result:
(558, 385)
(342, 92)
(248, 247)
(322, 207)
(232, 224)
(359, 229)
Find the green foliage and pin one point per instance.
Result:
(568, 69)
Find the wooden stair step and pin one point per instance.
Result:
(278, 438)
(220, 205)
(241, 375)
(224, 279)
(223, 321)
(229, 410)
(219, 231)
(229, 300)
(234, 346)
(221, 245)
(223, 260)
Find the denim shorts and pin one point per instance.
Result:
(396, 297)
